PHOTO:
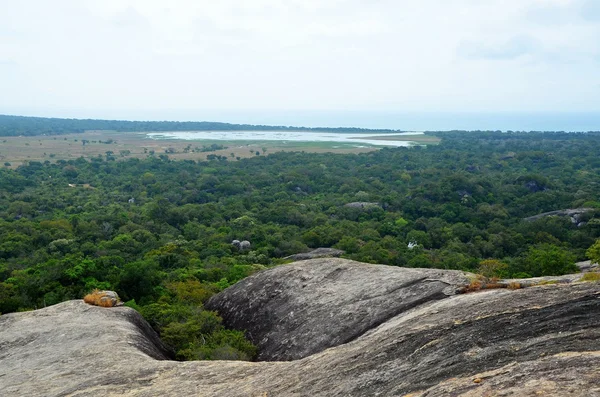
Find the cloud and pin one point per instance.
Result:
(551, 14)
(8, 63)
(300, 54)
(130, 17)
(513, 48)
(590, 10)
(564, 12)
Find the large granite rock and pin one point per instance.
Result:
(295, 310)
(316, 253)
(73, 347)
(588, 266)
(537, 341)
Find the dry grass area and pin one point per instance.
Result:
(592, 276)
(480, 283)
(16, 150)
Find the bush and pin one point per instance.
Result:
(549, 260)
(492, 268)
(202, 337)
(593, 253)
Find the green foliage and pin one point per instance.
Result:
(492, 268)
(461, 202)
(138, 280)
(192, 291)
(194, 333)
(401, 222)
(549, 260)
(593, 253)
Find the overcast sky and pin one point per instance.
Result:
(94, 57)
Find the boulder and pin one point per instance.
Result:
(587, 266)
(295, 310)
(242, 245)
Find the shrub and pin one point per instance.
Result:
(492, 268)
(549, 260)
(514, 285)
(593, 253)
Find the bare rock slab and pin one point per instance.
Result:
(317, 253)
(295, 310)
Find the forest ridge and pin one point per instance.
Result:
(31, 126)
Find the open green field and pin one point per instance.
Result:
(16, 150)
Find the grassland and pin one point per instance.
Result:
(17, 150)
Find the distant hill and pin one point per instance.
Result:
(20, 125)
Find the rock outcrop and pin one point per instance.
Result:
(317, 253)
(365, 205)
(542, 340)
(296, 310)
(576, 215)
(588, 267)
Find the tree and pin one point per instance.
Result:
(593, 253)
(138, 280)
(492, 268)
(549, 260)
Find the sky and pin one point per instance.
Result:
(190, 59)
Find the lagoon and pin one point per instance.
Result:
(396, 139)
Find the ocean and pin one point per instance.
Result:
(416, 121)
(394, 120)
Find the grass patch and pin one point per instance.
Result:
(592, 276)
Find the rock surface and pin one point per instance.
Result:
(316, 253)
(365, 205)
(574, 214)
(588, 267)
(542, 340)
(295, 310)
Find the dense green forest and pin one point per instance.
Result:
(28, 126)
(159, 232)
